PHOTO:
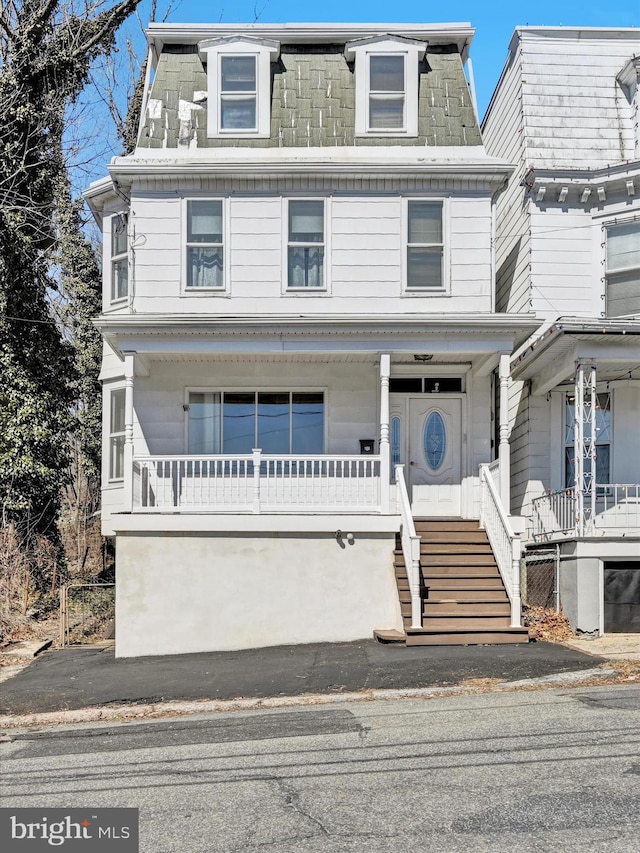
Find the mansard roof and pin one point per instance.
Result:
(313, 99)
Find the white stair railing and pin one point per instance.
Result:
(504, 541)
(410, 547)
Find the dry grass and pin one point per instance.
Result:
(544, 623)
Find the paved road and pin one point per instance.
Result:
(85, 677)
(531, 771)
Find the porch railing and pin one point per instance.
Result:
(617, 510)
(256, 483)
(504, 541)
(410, 547)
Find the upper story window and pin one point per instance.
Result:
(425, 245)
(387, 94)
(386, 80)
(622, 296)
(119, 257)
(306, 244)
(238, 92)
(239, 86)
(205, 249)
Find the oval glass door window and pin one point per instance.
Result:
(435, 440)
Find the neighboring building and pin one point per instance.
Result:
(298, 297)
(566, 112)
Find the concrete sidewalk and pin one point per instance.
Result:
(88, 677)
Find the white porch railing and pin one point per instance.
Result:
(410, 547)
(617, 510)
(504, 541)
(256, 483)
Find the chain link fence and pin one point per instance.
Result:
(539, 577)
(87, 613)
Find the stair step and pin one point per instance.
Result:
(464, 594)
(460, 609)
(471, 582)
(453, 524)
(473, 537)
(463, 637)
(457, 560)
(458, 572)
(432, 549)
(447, 622)
(389, 635)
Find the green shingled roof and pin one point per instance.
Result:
(312, 104)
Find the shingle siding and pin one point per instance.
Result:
(313, 102)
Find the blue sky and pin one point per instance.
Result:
(494, 22)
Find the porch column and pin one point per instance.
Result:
(504, 458)
(385, 455)
(584, 444)
(129, 369)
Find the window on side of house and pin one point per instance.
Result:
(119, 257)
(622, 296)
(306, 243)
(603, 440)
(116, 434)
(205, 249)
(387, 92)
(238, 93)
(236, 422)
(425, 245)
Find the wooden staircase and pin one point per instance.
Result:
(464, 601)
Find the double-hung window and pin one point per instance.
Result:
(603, 440)
(623, 269)
(239, 85)
(236, 422)
(238, 92)
(387, 80)
(306, 244)
(205, 251)
(119, 257)
(387, 92)
(425, 245)
(116, 434)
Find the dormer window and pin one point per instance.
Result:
(239, 86)
(387, 92)
(386, 72)
(238, 92)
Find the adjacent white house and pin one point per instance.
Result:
(566, 114)
(302, 348)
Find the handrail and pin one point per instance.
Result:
(504, 541)
(256, 482)
(410, 547)
(617, 508)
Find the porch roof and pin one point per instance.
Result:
(426, 335)
(548, 358)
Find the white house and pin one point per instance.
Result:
(565, 111)
(302, 351)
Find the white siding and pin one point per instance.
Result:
(364, 257)
(502, 133)
(575, 113)
(530, 443)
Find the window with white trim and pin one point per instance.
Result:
(239, 86)
(387, 92)
(386, 84)
(425, 245)
(205, 245)
(603, 440)
(116, 433)
(119, 257)
(622, 294)
(305, 244)
(238, 421)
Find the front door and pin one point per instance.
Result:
(435, 451)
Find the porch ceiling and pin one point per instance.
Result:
(549, 360)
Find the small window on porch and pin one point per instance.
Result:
(205, 252)
(277, 422)
(603, 440)
(306, 244)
